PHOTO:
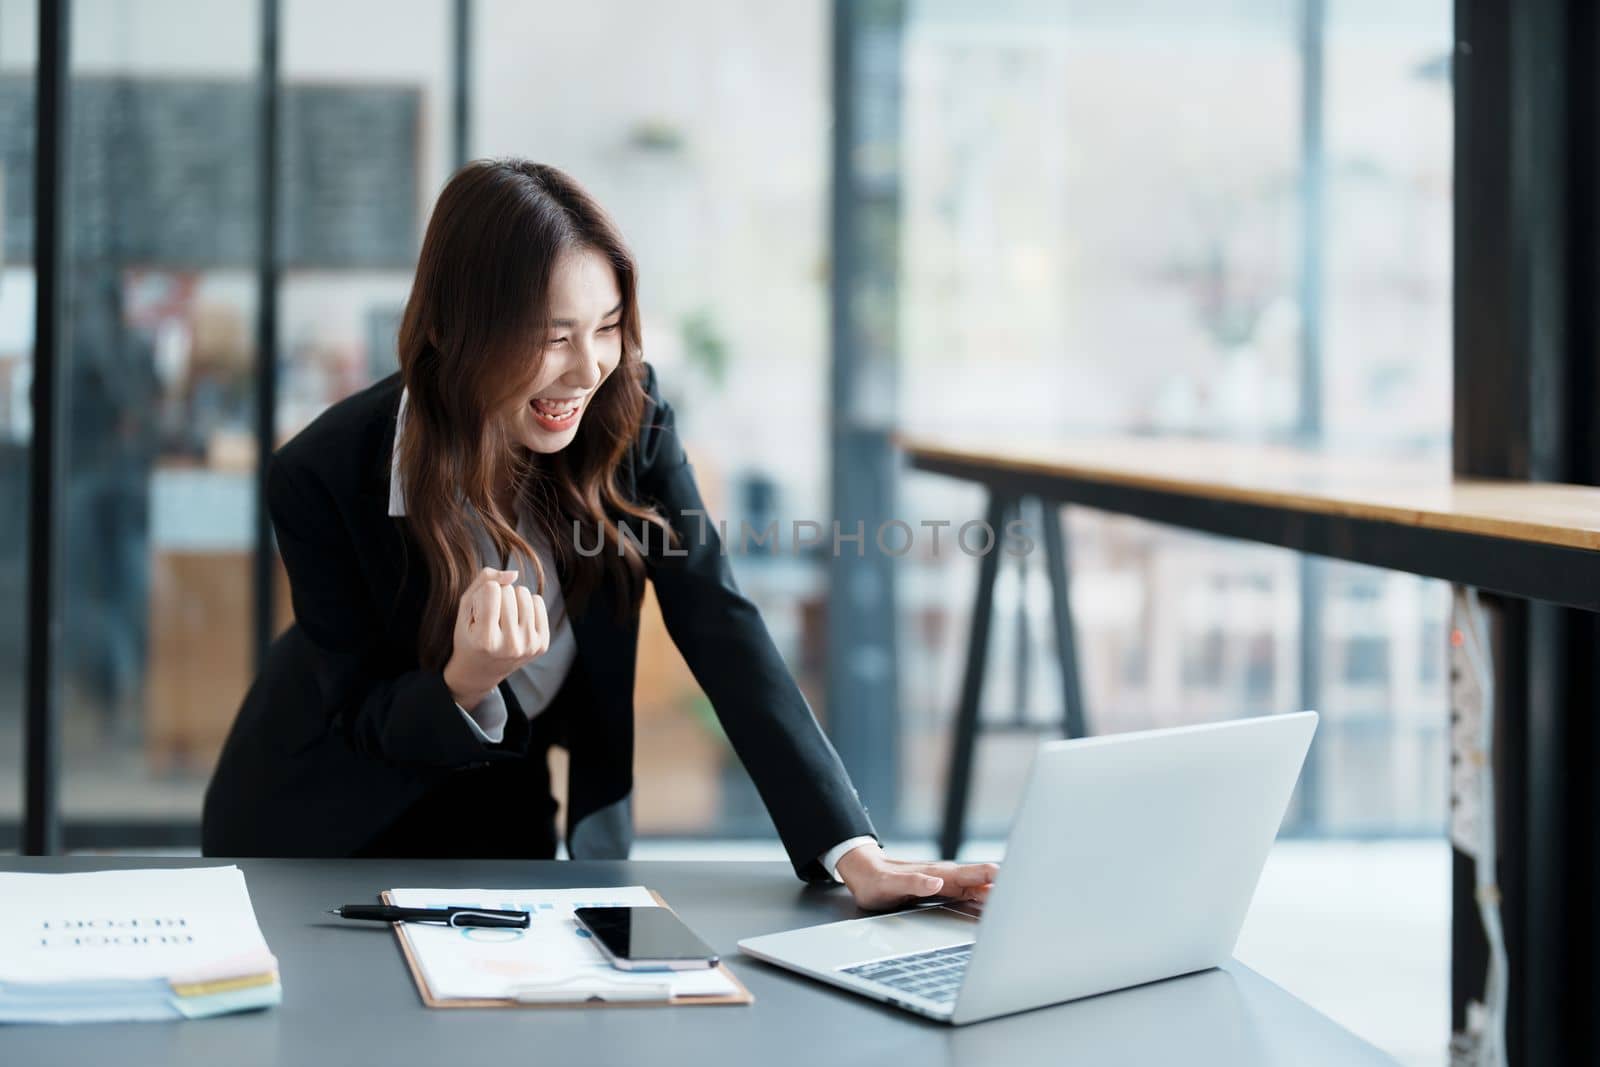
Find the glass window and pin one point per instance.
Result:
(1104, 233)
(368, 130)
(158, 364)
(717, 175)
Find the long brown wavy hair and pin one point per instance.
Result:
(470, 342)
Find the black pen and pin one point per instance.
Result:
(384, 913)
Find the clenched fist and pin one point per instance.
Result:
(499, 627)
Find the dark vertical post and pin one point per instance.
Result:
(1510, 249)
(1517, 366)
(1583, 402)
(41, 830)
(863, 691)
(969, 712)
(267, 259)
(1058, 558)
(461, 78)
(1312, 571)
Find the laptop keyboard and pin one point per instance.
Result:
(934, 975)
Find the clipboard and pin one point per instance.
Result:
(741, 996)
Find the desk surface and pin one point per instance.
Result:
(1409, 493)
(348, 999)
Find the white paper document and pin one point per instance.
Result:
(133, 944)
(554, 953)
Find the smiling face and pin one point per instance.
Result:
(582, 346)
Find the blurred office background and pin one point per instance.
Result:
(1227, 219)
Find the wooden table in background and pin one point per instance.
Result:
(1525, 540)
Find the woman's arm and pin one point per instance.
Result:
(795, 768)
(408, 717)
(727, 647)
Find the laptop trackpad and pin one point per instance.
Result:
(856, 940)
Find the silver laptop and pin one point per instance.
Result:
(1132, 858)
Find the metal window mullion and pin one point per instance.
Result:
(461, 77)
(267, 260)
(41, 819)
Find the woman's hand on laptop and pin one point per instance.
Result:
(879, 883)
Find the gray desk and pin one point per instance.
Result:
(348, 999)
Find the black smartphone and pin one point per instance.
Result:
(646, 939)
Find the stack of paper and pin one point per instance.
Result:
(126, 945)
(554, 957)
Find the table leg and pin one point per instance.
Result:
(959, 781)
(1074, 721)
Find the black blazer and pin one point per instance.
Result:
(343, 731)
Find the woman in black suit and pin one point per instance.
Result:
(467, 543)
